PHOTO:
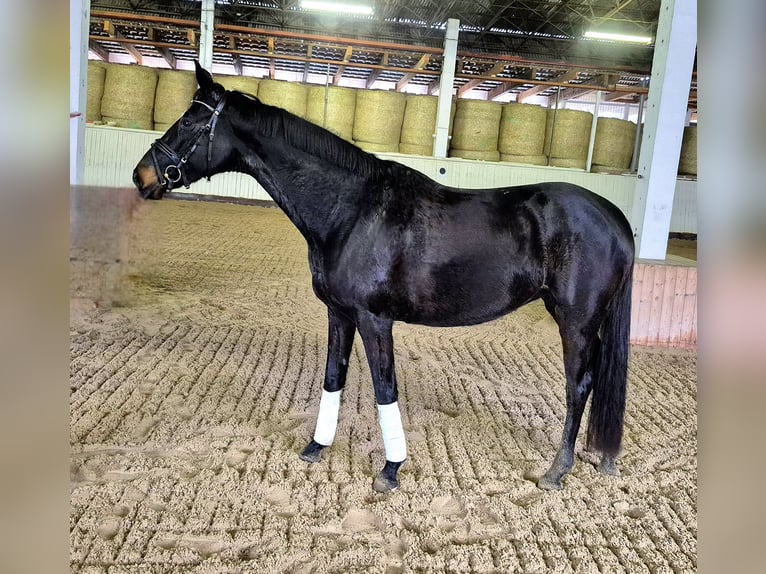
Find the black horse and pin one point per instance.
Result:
(386, 243)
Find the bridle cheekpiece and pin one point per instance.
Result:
(174, 173)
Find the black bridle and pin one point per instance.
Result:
(168, 177)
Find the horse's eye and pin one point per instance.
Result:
(186, 123)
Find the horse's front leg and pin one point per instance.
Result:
(379, 348)
(340, 338)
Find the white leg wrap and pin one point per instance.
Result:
(393, 433)
(327, 419)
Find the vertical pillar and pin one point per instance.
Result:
(446, 82)
(206, 23)
(665, 115)
(593, 125)
(79, 23)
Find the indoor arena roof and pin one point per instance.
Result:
(530, 47)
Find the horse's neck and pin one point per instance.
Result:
(315, 196)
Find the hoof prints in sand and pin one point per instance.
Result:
(190, 403)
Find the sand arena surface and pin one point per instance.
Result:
(191, 400)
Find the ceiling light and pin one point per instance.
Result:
(614, 37)
(340, 7)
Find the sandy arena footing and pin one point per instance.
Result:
(193, 394)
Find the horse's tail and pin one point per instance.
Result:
(609, 387)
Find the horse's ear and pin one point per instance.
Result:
(204, 78)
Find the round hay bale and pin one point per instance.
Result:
(687, 163)
(614, 143)
(522, 130)
(596, 168)
(477, 125)
(128, 99)
(570, 136)
(290, 96)
(333, 109)
(414, 149)
(419, 124)
(571, 162)
(244, 84)
(378, 116)
(134, 124)
(373, 147)
(161, 127)
(475, 154)
(96, 76)
(175, 90)
(527, 159)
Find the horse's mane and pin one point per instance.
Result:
(301, 134)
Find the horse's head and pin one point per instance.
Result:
(191, 149)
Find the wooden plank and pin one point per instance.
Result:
(635, 305)
(129, 47)
(406, 78)
(655, 307)
(666, 313)
(235, 57)
(471, 84)
(94, 47)
(375, 74)
(166, 54)
(645, 304)
(565, 77)
(342, 67)
(679, 293)
(688, 326)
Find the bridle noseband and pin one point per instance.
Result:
(174, 173)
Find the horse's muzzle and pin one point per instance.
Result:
(152, 190)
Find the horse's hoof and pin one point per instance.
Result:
(546, 483)
(386, 480)
(608, 467)
(312, 452)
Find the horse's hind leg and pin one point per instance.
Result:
(581, 350)
(379, 348)
(340, 338)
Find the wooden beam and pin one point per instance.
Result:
(565, 77)
(98, 50)
(341, 68)
(235, 57)
(471, 84)
(496, 92)
(166, 54)
(377, 71)
(406, 78)
(571, 93)
(309, 51)
(272, 63)
(115, 35)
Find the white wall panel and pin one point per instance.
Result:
(112, 153)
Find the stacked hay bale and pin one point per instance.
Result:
(96, 76)
(419, 125)
(332, 108)
(613, 148)
(567, 141)
(290, 96)
(522, 134)
(378, 120)
(175, 90)
(128, 99)
(476, 130)
(244, 84)
(687, 164)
